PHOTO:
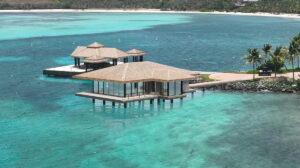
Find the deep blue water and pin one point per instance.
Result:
(42, 123)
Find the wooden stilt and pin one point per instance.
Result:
(113, 104)
(151, 101)
(125, 90)
(103, 102)
(158, 101)
(164, 100)
(93, 100)
(125, 105)
(171, 100)
(168, 88)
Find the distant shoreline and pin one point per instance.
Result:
(282, 15)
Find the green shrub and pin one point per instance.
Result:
(298, 84)
(205, 78)
(271, 65)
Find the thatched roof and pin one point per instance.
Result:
(135, 52)
(138, 72)
(78, 50)
(112, 53)
(95, 45)
(98, 53)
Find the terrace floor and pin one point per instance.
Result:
(126, 99)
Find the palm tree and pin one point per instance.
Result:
(297, 47)
(278, 56)
(292, 53)
(267, 49)
(253, 57)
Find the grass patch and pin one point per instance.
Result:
(205, 78)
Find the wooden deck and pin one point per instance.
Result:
(64, 71)
(115, 98)
(127, 99)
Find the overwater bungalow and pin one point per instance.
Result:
(137, 81)
(85, 52)
(96, 56)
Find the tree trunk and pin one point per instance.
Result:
(275, 70)
(293, 70)
(253, 72)
(298, 62)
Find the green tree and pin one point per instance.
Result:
(253, 57)
(292, 55)
(267, 49)
(278, 57)
(297, 41)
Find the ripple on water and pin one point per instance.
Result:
(12, 59)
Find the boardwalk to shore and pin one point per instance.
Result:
(223, 78)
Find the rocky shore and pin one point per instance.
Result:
(264, 85)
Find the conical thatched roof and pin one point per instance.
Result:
(135, 52)
(138, 72)
(95, 45)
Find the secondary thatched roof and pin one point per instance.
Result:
(135, 52)
(98, 53)
(112, 53)
(138, 72)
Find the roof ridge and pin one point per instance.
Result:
(124, 72)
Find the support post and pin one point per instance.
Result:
(158, 101)
(143, 88)
(75, 61)
(103, 102)
(171, 100)
(164, 100)
(125, 105)
(93, 100)
(113, 104)
(151, 101)
(181, 87)
(93, 83)
(168, 88)
(131, 89)
(141, 58)
(103, 87)
(125, 90)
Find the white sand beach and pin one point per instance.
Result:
(283, 15)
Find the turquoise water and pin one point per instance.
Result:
(42, 123)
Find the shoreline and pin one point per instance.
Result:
(282, 15)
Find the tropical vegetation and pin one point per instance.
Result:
(275, 60)
(273, 6)
(253, 57)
